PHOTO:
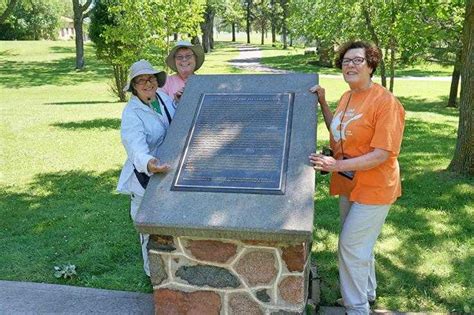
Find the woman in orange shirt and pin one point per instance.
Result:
(366, 132)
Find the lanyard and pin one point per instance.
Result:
(342, 121)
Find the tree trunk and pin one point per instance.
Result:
(273, 22)
(375, 39)
(262, 41)
(175, 37)
(78, 19)
(383, 73)
(8, 10)
(233, 32)
(325, 57)
(392, 64)
(211, 30)
(206, 28)
(462, 161)
(195, 40)
(283, 23)
(79, 42)
(249, 4)
(120, 79)
(392, 44)
(453, 91)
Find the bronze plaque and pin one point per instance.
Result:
(237, 143)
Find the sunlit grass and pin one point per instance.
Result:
(61, 155)
(216, 61)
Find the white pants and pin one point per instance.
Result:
(134, 204)
(360, 226)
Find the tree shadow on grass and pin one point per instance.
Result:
(424, 144)
(61, 71)
(70, 217)
(82, 103)
(100, 123)
(404, 72)
(416, 104)
(429, 218)
(297, 63)
(64, 50)
(7, 53)
(432, 198)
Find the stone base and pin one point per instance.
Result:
(217, 276)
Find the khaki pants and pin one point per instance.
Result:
(135, 202)
(360, 227)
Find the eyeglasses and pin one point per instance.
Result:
(152, 80)
(356, 61)
(183, 57)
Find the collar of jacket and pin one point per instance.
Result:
(136, 103)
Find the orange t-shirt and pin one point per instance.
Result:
(372, 118)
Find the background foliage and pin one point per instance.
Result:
(33, 19)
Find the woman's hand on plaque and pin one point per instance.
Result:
(154, 166)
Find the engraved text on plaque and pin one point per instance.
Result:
(237, 143)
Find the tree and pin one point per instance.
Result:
(180, 17)
(108, 51)
(455, 77)
(248, 18)
(8, 10)
(232, 14)
(262, 14)
(447, 28)
(32, 19)
(393, 25)
(275, 10)
(125, 31)
(308, 19)
(207, 26)
(284, 30)
(462, 161)
(442, 22)
(81, 11)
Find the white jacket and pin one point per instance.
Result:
(142, 131)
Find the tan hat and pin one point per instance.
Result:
(144, 67)
(197, 50)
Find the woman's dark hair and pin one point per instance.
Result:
(134, 92)
(373, 54)
(132, 85)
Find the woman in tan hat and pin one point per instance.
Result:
(185, 58)
(145, 121)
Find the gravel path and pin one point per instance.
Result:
(249, 59)
(250, 56)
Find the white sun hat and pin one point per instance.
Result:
(144, 67)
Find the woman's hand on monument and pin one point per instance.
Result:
(323, 163)
(321, 92)
(154, 166)
(178, 95)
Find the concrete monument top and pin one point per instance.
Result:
(238, 146)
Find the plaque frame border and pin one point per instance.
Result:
(252, 190)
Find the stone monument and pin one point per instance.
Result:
(231, 224)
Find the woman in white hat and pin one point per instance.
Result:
(145, 120)
(185, 58)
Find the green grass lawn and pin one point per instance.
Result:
(61, 155)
